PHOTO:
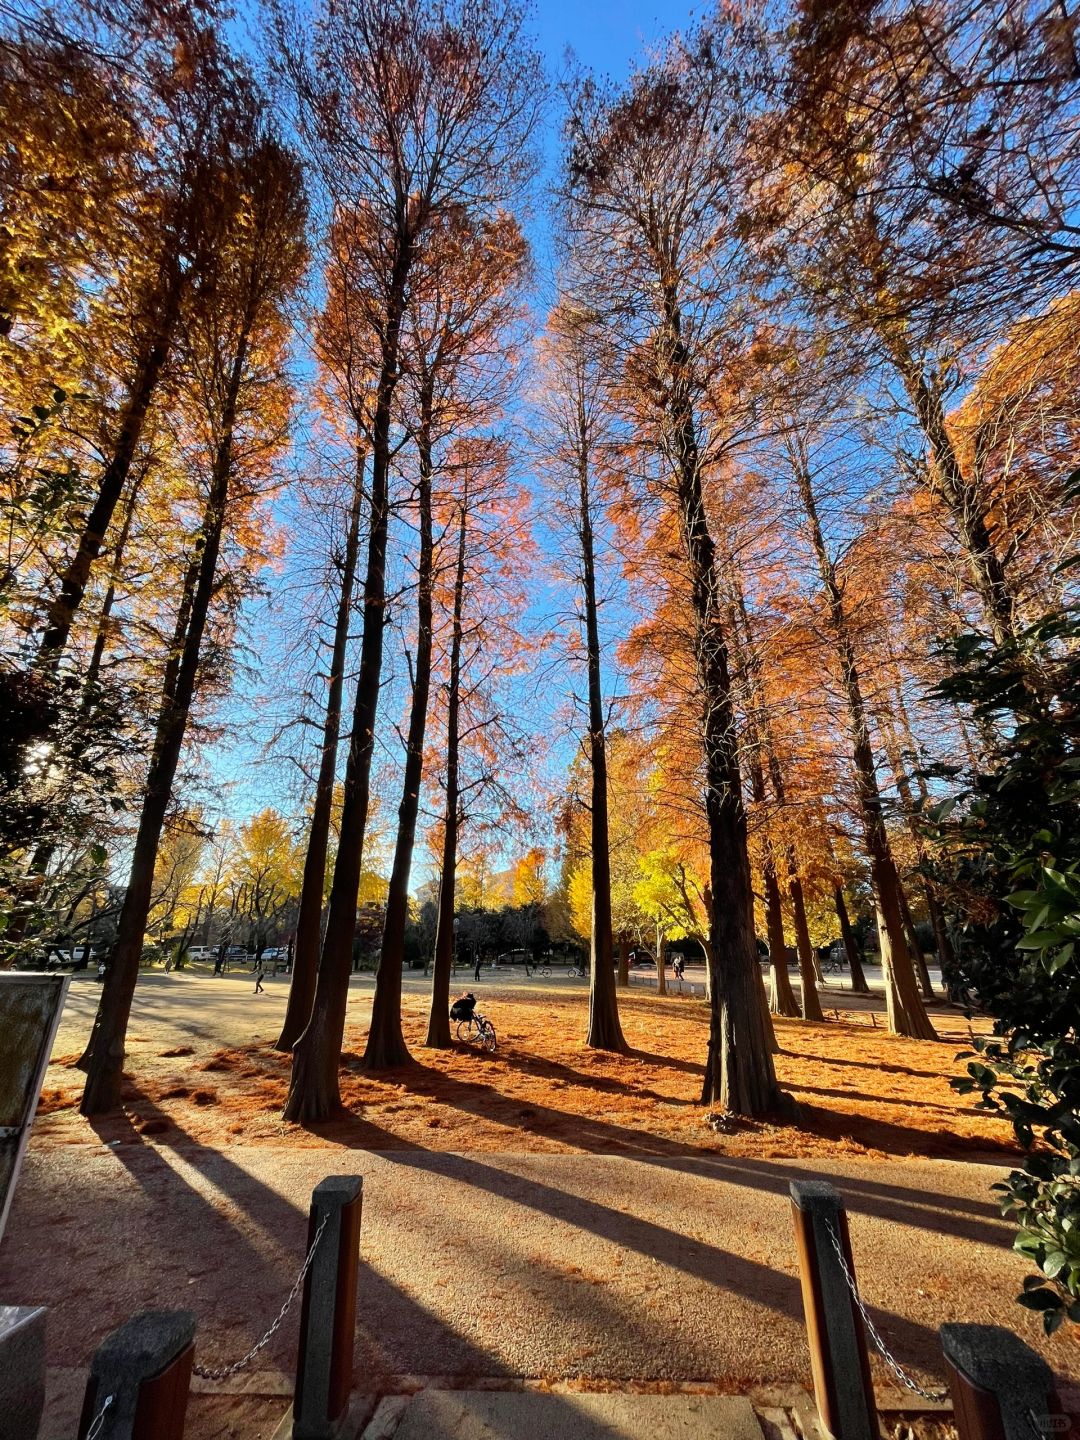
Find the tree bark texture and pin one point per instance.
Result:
(782, 999)
(963, 497)
(808, 974)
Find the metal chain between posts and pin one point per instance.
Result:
(99, 1419)
(871, 1329)
(224, 1371)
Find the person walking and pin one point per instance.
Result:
(476, 967)
(258, 977)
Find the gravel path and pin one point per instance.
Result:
(505, 1266)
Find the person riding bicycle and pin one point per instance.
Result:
(463, 1007)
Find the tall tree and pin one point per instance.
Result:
(647, 178)
(195, 110)
(459, 314)
(574, 424)
(487, 524)
(438, 1032)
(234, 346)
(410, 111)
(906, 1012)
(308, 921)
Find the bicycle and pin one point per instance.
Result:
(477, 1030)
(575, 972)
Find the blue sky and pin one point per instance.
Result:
(242, 772)
(607, 37)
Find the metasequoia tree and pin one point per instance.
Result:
(410, 110)
(760, 756)
(574, 422)
(347, 347)
(194, 108)
(907, 1015)
(233, 352)
(647, 176)
(489, 541)
(456, 337)
(869, 209)
(974, 114)
(309, 913)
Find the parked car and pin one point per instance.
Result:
(512, 957)
(642, 959)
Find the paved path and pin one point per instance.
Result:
(496, 1267)
(444, 1415)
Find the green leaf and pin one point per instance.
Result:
(1060, 958)
(1045, 1299)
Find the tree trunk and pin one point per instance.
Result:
(62, 611)
(851, 950)
(438, 1036)
(661, 964)
(962, 497)
(101, 638)
(104, 1058)
(314, 1092)
(309, 914)
(918, 959)
(739, 1071)
(386, 1046)
(766, 1014)
(783, 997)
(906, 1012)
(622, 973)
(605, 1030)
(942, 940)
(811, 1004)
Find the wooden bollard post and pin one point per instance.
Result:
(324, 1366)
(1001, 1389)
(139, 1379)
(841, 1366)
(22, 1370)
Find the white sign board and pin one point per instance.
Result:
(30, 1008)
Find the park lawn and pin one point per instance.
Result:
(861, 1091)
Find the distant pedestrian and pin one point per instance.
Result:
(679, 966)
(476, 967)
(258, 976)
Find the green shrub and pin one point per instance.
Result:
(1009, 864)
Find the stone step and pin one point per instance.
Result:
(533, 1415)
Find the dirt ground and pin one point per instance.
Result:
(219, 1081)
(605, 1200)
